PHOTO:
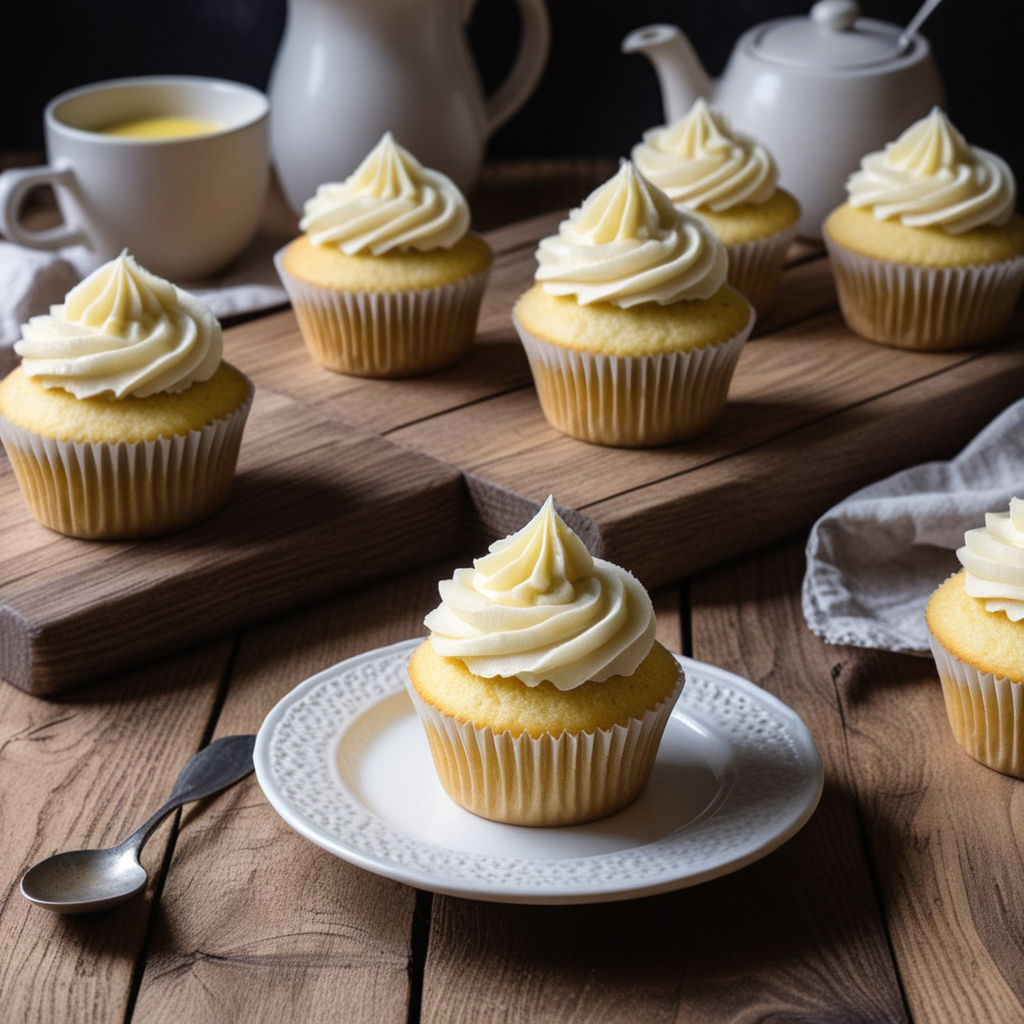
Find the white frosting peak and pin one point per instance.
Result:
(993, 557)
(539, 606)
(931, 177)
(628, 244)
(390, 202)
(122, 331)
(700, 163)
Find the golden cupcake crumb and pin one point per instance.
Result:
(988, 641)
(644, 330)
(859, 231)
(751, 221)
(54, 413)
(327, 267)
(510, 705)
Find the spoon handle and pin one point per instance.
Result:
(217, 766)
(923, 13)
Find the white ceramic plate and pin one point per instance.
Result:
(344, 760)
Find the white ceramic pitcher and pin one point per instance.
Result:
(349, 70)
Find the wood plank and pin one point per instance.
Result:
(798, 935)
(286, 932)
(945, 838)
(80, 771)
(316, 507)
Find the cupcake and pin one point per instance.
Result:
(731, 180)
(630, 328)
(976, 631)
(387, 279)
(542, 690)
(927, 251)
(122, 420)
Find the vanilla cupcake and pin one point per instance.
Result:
(542, 690)
(927, 251)
(387, 279)
(631, 330)
(122, 420)
(731, 180)
(976, 625)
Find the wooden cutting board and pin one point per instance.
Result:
(342, 479)
(814, 413)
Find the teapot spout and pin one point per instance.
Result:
(680, 73)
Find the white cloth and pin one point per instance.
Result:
(874, 559)
(32, 280)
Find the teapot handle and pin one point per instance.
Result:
(534, 43)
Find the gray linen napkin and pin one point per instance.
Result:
(874, 559)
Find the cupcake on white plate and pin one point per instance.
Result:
(731, 180)
(541, 688)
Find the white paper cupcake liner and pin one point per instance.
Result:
(386, 334)
(926, 308)
(755, 267)
(107, 491)
(633, 401)
(564, 780)
(986, 712)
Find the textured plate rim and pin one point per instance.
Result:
(806, 792)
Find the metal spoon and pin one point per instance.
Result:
(81, 881)
(923, 13)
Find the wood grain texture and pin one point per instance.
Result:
(316, 507)
(804, 937)
(346, 479)
(946, 843)
(256, 922)
(79, 771)
(814, 413)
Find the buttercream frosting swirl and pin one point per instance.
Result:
(931, 177)
(700, 163)
(539, 606)
(122, 331)
(629, 244)
(390, 202)
(993, 557)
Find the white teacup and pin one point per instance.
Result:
(183, 206)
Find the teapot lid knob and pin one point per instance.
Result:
(835, 15)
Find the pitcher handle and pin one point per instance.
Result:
(534, 43)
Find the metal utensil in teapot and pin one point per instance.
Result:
(820, 91)
(349, 70)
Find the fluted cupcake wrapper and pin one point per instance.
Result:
(755, 267)
(930, 309)
(547, 781)
(386, 334)
(986, 712)
(99, 490)
(633, 401)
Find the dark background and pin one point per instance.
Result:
(592, 101)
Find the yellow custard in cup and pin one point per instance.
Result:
(162, 127)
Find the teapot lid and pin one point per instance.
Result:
(834, 36)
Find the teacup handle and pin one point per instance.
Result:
(534, 43)
(15, 185)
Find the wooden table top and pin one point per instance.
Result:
(898, 901)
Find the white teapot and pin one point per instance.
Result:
(349, 70)
(820, 92)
